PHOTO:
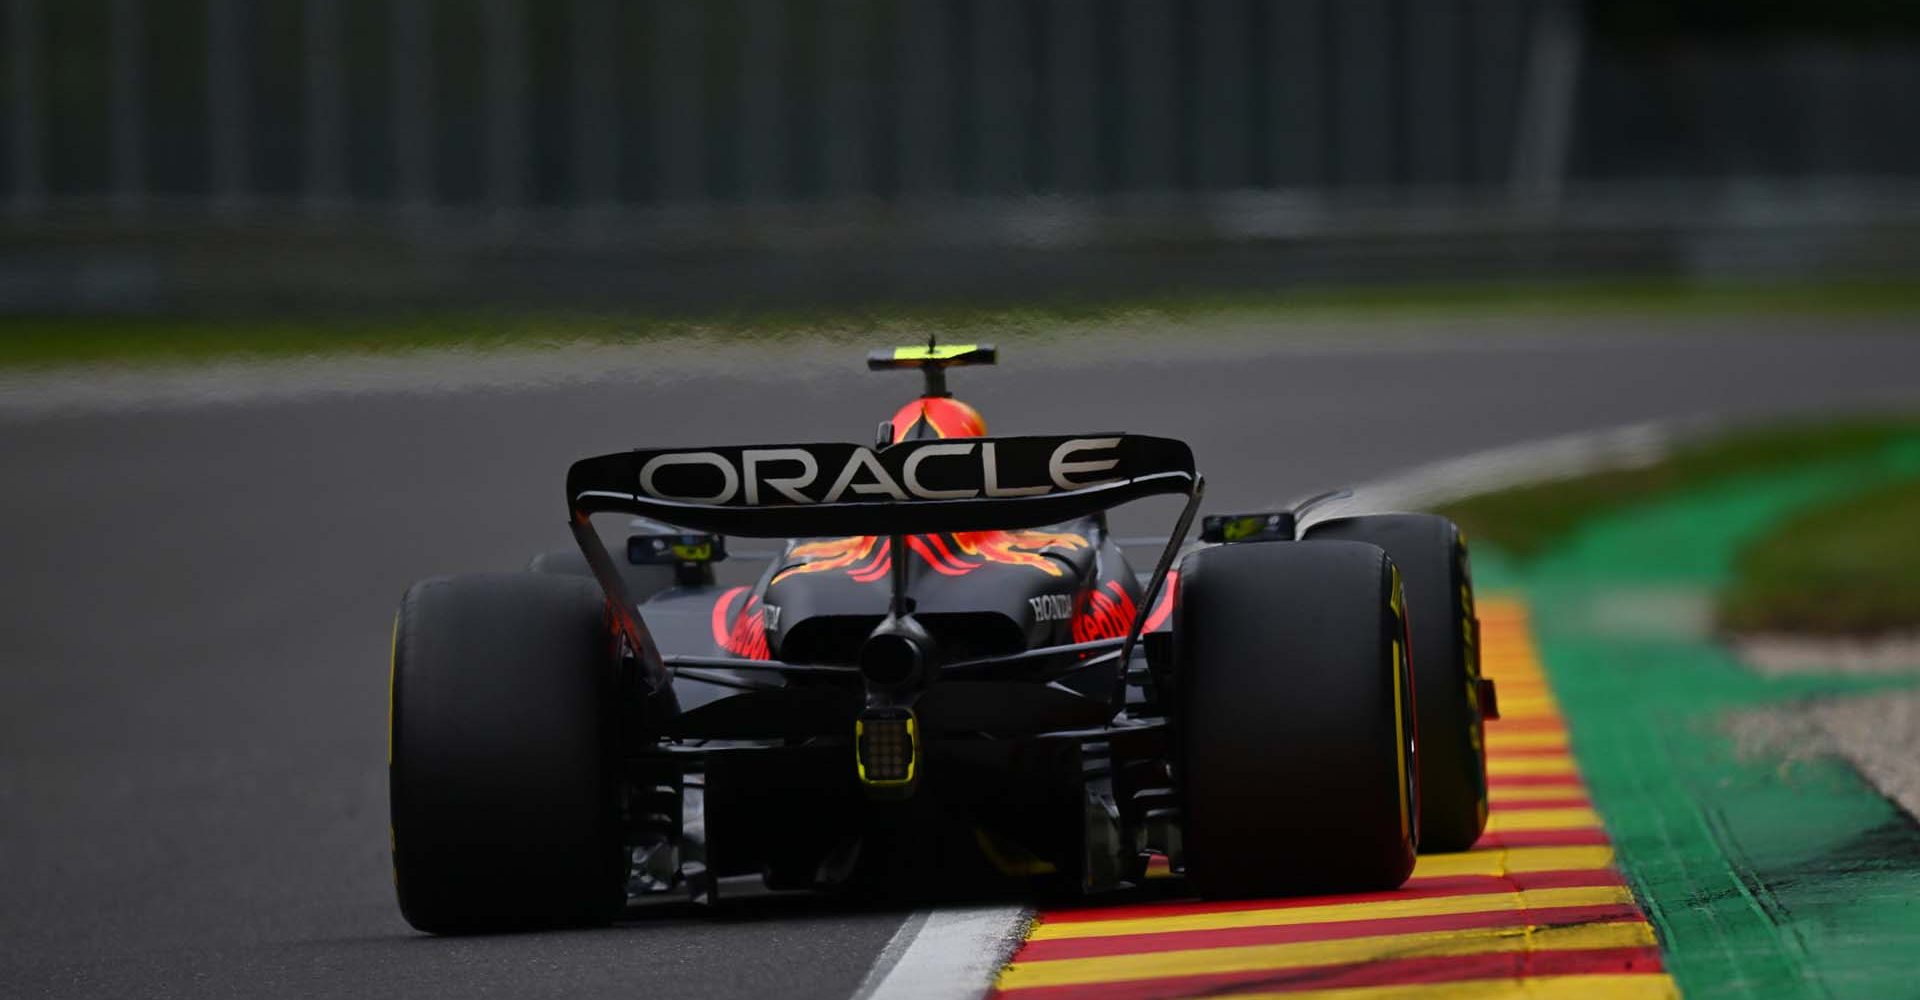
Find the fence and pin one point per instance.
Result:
(180, 147)
(509, 103)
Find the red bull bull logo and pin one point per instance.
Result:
(867, 558)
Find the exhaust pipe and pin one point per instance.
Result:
(894, 658)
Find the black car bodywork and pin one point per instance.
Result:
(941, 671)
(948, 675)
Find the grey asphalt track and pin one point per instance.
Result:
(194, 611)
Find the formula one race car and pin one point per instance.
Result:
(949, 671)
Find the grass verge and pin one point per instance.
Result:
(1846, 567)
(35, 342)
(1528, 520)
(1769, 868)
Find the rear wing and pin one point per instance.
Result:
(912, 487)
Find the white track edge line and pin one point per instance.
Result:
(946, 954)
(1528, 463)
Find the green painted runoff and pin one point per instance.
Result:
(1764, 876)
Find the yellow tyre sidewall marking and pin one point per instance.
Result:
(393, 670)
(1398, 666)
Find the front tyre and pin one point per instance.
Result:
(501, 765)
(1294, 728)
(1432, 556)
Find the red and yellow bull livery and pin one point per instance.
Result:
(943, 671)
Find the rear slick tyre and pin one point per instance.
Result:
(501, 770)
(1294, 720)
(1444, 638)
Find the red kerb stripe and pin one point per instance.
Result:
(1533, 781)
(1576, 837)
(1505, 966)
(1571, 878)
(1568, 802)
(1536, 724)
(1419, 888)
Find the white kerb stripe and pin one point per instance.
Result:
(946, 954)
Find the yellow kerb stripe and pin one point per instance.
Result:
(1514, 861)
(1498, 740)
(1513, 820)
(1490, 902)
(1528, 708)
(1537, 793)
(1252, 958)
(1646, 987)
(1501, 767)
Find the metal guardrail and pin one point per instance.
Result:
(505, 104)
(865, 253)
(421, 105)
